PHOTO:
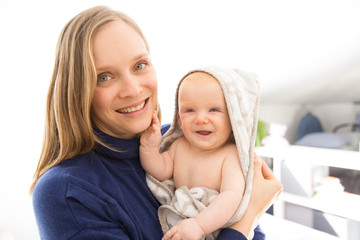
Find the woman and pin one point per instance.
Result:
(101, 97)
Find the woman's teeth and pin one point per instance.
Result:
(132, 109)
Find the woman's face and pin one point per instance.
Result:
(126, 93)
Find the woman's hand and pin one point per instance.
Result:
(266, 189)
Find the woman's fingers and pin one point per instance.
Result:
(269, 175)
(266, 187)
(266, 172)
(258, 165)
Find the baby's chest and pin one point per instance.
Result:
(193, 173)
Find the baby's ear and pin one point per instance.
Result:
(179, 120)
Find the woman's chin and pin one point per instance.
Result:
(138, 127)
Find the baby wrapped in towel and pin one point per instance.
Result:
(202, 172)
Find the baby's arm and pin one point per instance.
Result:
(221, 209)
(158, 165)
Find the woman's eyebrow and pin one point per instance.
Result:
(141, 55)
(134, 59)
(101, 69)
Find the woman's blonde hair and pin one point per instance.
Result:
(68, 126)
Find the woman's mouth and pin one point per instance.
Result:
(134, 108)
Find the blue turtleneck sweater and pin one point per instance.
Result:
(101, 194)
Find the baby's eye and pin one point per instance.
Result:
(140, 66)
(189, 110)
(214, 110)
(103, 78)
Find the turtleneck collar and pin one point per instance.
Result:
(126, 149)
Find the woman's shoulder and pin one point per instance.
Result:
(49, 194)
(54, 181)
(74, 178)
(68, 198)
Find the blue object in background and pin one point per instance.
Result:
(308, 124)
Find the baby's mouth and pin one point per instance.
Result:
(204, 133)
(132, 109)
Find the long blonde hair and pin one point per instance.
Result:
(68, 126)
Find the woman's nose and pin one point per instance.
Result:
(129, 87)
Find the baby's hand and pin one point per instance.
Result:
(151, 137)
(187, 229)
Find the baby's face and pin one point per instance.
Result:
(203, 115)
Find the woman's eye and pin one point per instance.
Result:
(140, 66)
(103, 78)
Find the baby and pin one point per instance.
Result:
(204, 157)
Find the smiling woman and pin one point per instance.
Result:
(110, 90)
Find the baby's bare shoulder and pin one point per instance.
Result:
(179, 142)
(230, 148)
(231, 154)
(178, 145)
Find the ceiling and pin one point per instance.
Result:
(318, 53)
(303, 51)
